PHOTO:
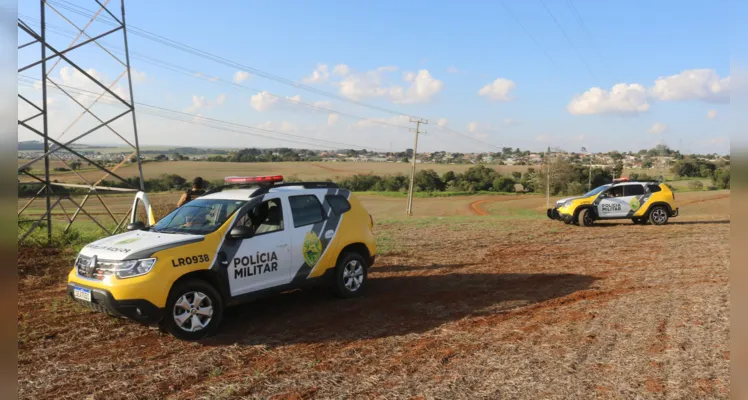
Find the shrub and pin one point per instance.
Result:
(696, 185)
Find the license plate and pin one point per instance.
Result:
(82, 294)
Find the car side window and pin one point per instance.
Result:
(615, 192)
(265, 217)
(634, 190)
(338, 203)
(305, 210)
(654, 188)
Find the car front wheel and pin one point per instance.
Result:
(193, 310)
(350, 275)
(586, 217)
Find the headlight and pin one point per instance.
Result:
(568, 203)
(132, 268)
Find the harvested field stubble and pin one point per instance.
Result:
(466, 308)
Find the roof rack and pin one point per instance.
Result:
(637, 180)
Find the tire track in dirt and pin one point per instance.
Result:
(724, 196)
(476, 207)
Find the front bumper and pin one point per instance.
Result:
(553, 213)
(102, 301)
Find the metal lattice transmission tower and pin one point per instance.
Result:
(55, 65)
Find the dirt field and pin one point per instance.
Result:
(504, 305)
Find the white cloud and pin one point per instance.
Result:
(472, 127)
(332, 119)
(510, 121)
(319, 75)
(138, 76)
(341, 70)
(296, 98)
(263, 101)
(694, 84)
(421, 86)
(200, 103)
(400, 120)
(622, 99)
(658, 128)
(498, 90)
(322, 104)
(442, 122)
(711, 114)
(241, 76)
(453, 70)
(74, 78)
(283, 126)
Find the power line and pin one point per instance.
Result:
(218, 59)
(201, 75)
(221, 60)
(587, 33)
(570, 42)
(211, 122)
(511, 14)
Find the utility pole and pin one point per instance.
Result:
(548, 179)
(416, 132)
(584, 150)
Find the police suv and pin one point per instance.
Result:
(253, 236)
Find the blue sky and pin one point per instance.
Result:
(429, 59)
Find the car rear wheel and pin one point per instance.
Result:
(658, 215)
(350, 275)
(193, 310)
(586, 217)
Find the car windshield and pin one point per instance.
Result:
(596, 190)
(198, 217)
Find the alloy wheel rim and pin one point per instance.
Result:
(193, 311)
(659, 215)
(353, 275)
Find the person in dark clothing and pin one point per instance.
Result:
(194, 192)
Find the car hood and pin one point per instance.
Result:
(564, 200)
(136, 244)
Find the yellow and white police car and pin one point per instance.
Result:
(639, 201)
(253, 236)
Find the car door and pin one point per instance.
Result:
(263, 260)
(312, 231)
(635, 196)
(611, 203)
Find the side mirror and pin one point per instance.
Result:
(240, 232)
(136, 226)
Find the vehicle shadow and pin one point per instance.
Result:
(606, 224)
(409, 268)
(391, 306)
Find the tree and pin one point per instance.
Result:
(428, 180)
(161, 157)
(721, 178)
(75, 165)
(516, 175)
(618, 169)
(503, 184)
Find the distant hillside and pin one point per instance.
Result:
(31, 145)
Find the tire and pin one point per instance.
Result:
(585, 217)
(659, 215)
(351, 275)
(182, 303)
